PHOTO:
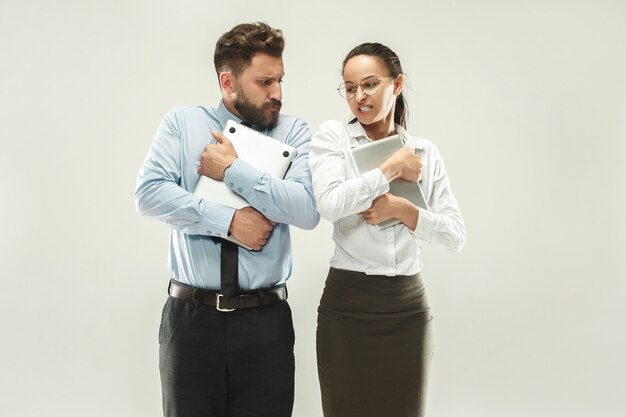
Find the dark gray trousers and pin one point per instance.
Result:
(236, 364)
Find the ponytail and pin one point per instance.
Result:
(401, 112)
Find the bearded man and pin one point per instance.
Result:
(226, 336)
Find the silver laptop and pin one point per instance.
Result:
(371, 155)
(262, 152)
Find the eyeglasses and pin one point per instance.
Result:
(369, 86)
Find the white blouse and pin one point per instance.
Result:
(341, 195)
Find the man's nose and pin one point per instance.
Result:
(276, 91)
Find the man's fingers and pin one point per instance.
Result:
(219, 138)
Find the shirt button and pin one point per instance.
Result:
(209, 232)
(264, 210)
(232, 184)
(219, 235)
(240, 189)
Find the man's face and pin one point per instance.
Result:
(259, 92)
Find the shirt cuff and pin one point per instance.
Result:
(241, 177)
(425, 225)
(376, 181)
(216, 219)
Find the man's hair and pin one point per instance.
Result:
(234, 49)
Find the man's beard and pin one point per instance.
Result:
(265, 116)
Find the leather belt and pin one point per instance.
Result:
(253, 299)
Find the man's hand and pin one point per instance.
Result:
(251, 228)
(217, 157)
(404, 164)
(389, 206)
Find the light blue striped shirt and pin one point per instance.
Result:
(169, 175)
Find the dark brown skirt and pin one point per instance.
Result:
(374, 345)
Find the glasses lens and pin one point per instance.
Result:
(370, 86)
(342, 90)
(347, 90)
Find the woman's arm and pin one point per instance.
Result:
(336, 195)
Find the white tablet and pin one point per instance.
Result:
(371, 155)
(262, 152)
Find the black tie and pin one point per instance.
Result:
(229, 263)
(229, 267)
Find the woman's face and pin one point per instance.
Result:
(365, 72)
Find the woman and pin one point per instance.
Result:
(374, 340)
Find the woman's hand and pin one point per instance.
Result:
(405, 164)
(389, 206)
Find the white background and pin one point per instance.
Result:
(526, 101)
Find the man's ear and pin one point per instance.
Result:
(398, 84)
(227, 82)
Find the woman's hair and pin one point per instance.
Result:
(234, 49)
(392, 62)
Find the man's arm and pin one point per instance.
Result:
(288, 200)
(159, 195)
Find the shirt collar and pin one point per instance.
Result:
(224, 115)
(356, 130)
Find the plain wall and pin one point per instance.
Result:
(525, 100)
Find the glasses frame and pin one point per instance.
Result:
(347, 96)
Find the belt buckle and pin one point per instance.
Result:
(218, 307)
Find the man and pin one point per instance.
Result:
(226, 336)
